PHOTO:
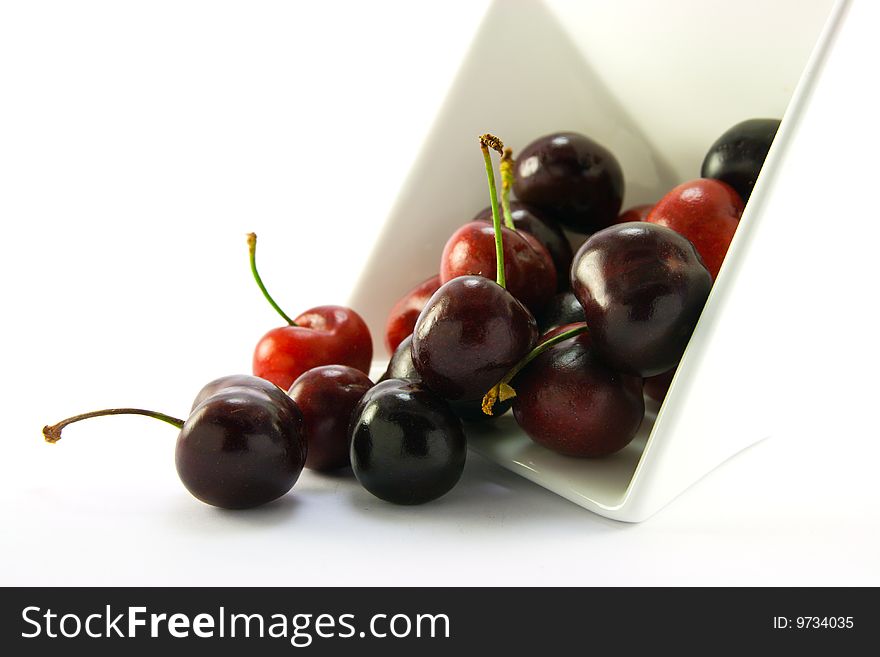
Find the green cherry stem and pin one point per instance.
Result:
(53, 434)
(488, 141)
(502, 391)
(252, 248)
(506, 183)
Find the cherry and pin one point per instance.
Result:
(738, 155)
(635, 213)
(407, 446)
(241, 446)
(472, 330)
(548, 234)
(562, 309)
(327, 396)
(523, 218)
(401, 366)
(642, 287)
(404, 313)
(657, 386)
(324, 335)
(568, 400)
(469, 334)
(706, 212)
(575, 180)
(529, 270)
(233, 381)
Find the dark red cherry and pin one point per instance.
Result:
(642, 287)
(407, 446)
(327, 396)
(657, 386)
(571, 402)
(546, 231)
(738, 155)
(573, 179)
(241, 446)
(470, 333)
(404, 313)
(233, 381)
(706, 212)
(531, 275)
(635, 213)
(401, 366)
(325, 335)
(564, 308)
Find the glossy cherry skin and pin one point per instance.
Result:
(401, 366)
(642, 287)
(241, 446)
(327, 396)
(738, 155)
(571, 402)
(325, 335)
(233, 381)
(657, 386)
(573, 179)
(564, 308)
(546, 231)
(471, 332)
(705, 211)
(635, 213)
(404, 313)
(528, 267)
(407, 446)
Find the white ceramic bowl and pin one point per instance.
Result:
(656, 83)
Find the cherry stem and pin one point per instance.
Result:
(488, 141)
(506, 184)
(53, 434)
(252, 249)
(502, 390)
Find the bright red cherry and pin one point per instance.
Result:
(706, 212)
(404, 313)
(324, 335)
(529, 269)
(543, 229)
(531, 247)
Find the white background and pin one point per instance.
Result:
(139, 142)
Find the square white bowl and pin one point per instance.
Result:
(656, 83)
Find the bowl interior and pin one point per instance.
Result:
(656, 83)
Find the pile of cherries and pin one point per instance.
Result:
(572, 341)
